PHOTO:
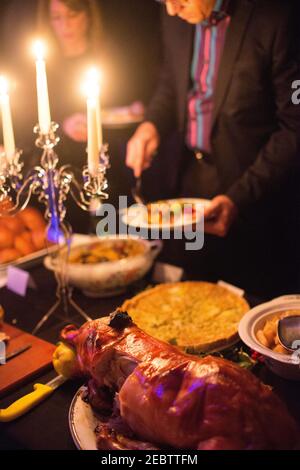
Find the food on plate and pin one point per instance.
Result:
(21, 235)
(268, 335)
(169, 212)
(105, 250)
(64, 360)
(195, 316)
(154, 396)
(123, 114)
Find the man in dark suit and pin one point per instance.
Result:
(226, 85)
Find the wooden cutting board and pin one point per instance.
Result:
(21, 368)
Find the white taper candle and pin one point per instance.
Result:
(94, 124)
(42, 89)
(7, 125)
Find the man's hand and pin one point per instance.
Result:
(75, 127)
(141, 148)
(219, 216)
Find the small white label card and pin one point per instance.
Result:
(232, 288)
(167, 273)
(19, 280)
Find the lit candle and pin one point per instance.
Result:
(7, 126)
(98, 109)
(93, 149)
(42, 89)
(94, 125)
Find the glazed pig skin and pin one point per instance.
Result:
(175, 400)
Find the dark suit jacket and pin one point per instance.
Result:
(255, 131)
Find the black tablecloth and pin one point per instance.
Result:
(46, 426)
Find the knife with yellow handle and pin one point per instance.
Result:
(26, 403)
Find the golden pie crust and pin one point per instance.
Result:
(195, 316)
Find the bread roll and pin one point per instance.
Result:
(24, 244)
(6, 238)
(32, 219)
(39, 239)
(9, 254)
(27, 236)
(14, 224)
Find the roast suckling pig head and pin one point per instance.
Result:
(171, 399)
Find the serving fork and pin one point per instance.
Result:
(137, 192)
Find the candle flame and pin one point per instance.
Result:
(3, 86)
(91, 87)
(39, 49)
(94, 74)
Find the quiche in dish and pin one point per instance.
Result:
(195, 316)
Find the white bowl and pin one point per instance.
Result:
(287, 366)
(111, 277)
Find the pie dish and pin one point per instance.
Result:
(195, 316)
(112, 274)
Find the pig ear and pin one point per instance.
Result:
(69, 333)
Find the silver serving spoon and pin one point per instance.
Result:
(289, 332)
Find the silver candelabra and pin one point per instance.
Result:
(52, 185)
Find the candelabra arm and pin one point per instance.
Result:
(78, 196)
(70, 176)
(23, 196)
(94, 183)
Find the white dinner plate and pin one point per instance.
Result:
(119, 118)
(134, 216)
(82, 423)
